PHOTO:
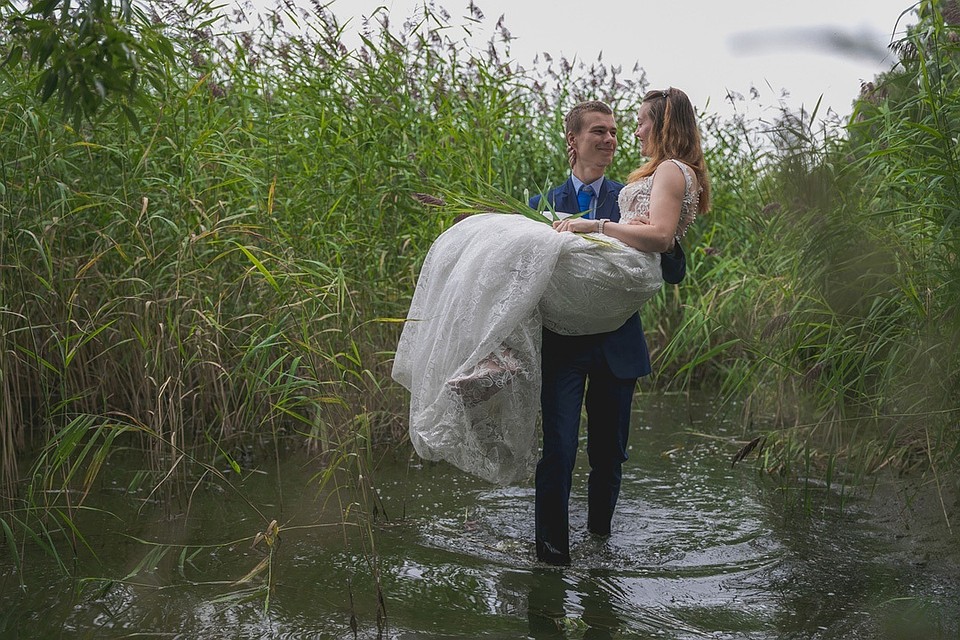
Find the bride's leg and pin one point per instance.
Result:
(489, 376)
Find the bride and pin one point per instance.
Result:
(469, 352)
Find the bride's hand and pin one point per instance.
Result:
(638, 220)
(576, 225)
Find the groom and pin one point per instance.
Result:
(606, 365)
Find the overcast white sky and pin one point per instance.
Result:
(706, 47)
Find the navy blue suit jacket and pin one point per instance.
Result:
(626, 348)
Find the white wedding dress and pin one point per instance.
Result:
(487, 286)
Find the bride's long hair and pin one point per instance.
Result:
(675, 135)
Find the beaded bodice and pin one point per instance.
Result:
(634, 200)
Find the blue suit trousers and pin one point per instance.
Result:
(608, 403)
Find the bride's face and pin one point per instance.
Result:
(644, 132)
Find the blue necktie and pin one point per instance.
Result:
(583, 199)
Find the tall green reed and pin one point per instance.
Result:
(836, 315)
(224, 269)
(213, 272)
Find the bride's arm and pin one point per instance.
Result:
(666, 199)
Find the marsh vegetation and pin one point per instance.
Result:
(209, 236)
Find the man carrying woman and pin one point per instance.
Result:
(497, 293)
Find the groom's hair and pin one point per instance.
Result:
(573, 122)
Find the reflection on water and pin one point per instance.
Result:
(698, 550)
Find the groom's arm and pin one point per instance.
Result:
(673, 264)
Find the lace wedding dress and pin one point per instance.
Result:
(469, 352)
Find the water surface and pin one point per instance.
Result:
(699, 549)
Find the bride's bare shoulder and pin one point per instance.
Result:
(677, 175)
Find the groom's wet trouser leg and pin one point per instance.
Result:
(561, 401)
(609, 404)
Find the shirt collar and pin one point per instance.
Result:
(577, 183)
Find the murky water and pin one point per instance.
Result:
(699, 550)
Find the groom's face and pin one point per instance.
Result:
(597, 140)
